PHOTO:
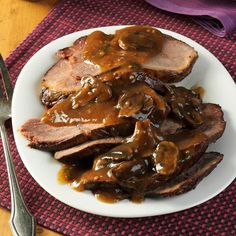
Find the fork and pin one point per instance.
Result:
(21, 221)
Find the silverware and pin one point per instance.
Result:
(22, 221)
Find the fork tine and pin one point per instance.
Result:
(6, 78)
(1, 93)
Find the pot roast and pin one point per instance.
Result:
(115, 123)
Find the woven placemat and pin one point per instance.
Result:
(215, 217)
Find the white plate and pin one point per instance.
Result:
(208, 72)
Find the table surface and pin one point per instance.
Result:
(17, 20)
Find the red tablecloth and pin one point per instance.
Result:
(215, 217)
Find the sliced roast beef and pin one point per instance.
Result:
(88, 149)
(189, 179)
(52, 138)
(214, 125)
(192, 143)
(65, 75)
(185, 181)
(212, 128)
(173, 63)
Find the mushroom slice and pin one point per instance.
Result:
(142, 102)
(166, 158)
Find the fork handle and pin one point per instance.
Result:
(22, 221)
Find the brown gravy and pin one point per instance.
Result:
(71, 175)
(199, 90)
(67, 174)
(62, 114)
(134, 44)
(120, 100)
(125, 49)
(112, 195)
(135, 151)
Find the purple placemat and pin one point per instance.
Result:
(217, 16)
(215, 217)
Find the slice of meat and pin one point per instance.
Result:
(189, 179)
(86, 150)
(170, 126)
(214, 125)
(173, 63)
(211, 130)
(65, 75)
(52, 138)
(193, 143)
